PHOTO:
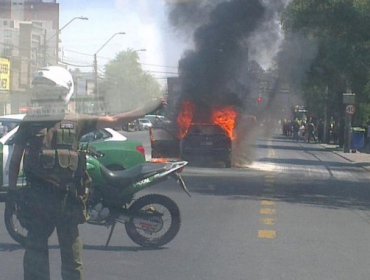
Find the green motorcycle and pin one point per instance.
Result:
(151, 220)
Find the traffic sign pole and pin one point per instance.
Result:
(349, 101)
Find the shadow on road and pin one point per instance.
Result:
(329, 193)
(292, 148)
(307, 162)
(322, 187)
(120, 248)
(9, 247)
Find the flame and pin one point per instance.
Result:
(226, 119)
(185, 118)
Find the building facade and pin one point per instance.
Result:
(28, 40)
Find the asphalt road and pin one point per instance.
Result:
(298, 212)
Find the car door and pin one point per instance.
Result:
(6, 150)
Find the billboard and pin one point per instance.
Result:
(4, 74)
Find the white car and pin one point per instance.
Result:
(144, 124)
(119, 152)
(158, 120)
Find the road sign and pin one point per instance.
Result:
(350, 109)
(349, 98)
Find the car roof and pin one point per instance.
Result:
(154, 116)
(116, 136)
(12, 117)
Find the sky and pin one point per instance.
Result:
(144, 22)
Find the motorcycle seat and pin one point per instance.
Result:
(129, 176)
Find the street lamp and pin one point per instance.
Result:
(57, 33)
(96, 65)
(140, 50)
(64, 26)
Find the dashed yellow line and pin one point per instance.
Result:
(267, 203)
(268, 207)
(267, 234)
(268, 221)
(267, 211)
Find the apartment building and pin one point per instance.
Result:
(28, 40)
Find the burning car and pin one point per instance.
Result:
(198, 136)
(206, 142)
(210, 139)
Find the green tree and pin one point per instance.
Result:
(126, 85)
(341, 29)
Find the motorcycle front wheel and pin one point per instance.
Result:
(156, 221)
(12, 224)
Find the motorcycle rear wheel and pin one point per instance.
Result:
(12, 224)
(170, 222)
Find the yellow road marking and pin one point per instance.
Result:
(268, 221)
(267, 234)
(267, 203)
(267, 211)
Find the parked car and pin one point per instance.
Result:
(157, 121)
(118, 152)
(8, 122)
(164, 141)
(129, 126)
(206, 142)
(144, 124)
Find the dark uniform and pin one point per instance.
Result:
(55, 193)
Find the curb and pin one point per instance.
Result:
(335, 151)
(342, 156)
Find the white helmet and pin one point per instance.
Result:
(55, 78)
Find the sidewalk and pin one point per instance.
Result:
(359, 158)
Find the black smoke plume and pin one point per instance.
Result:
(209, 74)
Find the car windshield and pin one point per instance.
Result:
(259, 109)
(206, 129)
(96, 135)
(5, 127)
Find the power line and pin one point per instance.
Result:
(76, 52)
(157, 65)
(160, 78)
(109, 58)
(75, 65)
(162, 72)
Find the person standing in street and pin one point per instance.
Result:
(311, 131)
(55, 170)
(296, 130)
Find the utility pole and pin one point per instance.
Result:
(326, 139)
(56, 34)
(348, 101)
(44, 50)
(96, 92)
